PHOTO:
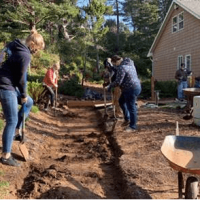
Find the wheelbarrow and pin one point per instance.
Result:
(190, 93)
(183, 155)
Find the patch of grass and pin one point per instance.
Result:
(1, 173)
(34, 109)
(1, 124)
(4, 187)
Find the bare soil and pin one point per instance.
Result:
(73, 157)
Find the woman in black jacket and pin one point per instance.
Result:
(13, 89)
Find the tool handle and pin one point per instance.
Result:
(104, 90)
(55, 103)
(23, 122)
(177, 128)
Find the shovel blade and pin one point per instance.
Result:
(24, 151)
(187, 117)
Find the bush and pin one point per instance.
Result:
(1, 124)
(35, 78)
(34, 90)
(167, 88)
(34, 109)
(42, 58)
(146, 89)
(71, 88)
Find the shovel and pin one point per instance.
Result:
(22, 146)
(188, 117)
(55, 101)
(114, 108)
(104, 94)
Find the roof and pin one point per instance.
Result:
(191, 6)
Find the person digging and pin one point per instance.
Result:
(129, 83)
(116, 91)
(13, 89)
(50, 83)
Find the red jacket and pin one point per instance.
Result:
(48, 79)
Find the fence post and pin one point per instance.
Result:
(152, 88)
(193, 81)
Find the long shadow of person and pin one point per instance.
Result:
(74, 191)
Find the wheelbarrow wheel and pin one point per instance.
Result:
(192, 188)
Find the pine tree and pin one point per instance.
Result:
(95, 11)
(143, 16)
(18, 17)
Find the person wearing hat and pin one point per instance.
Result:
(129, 83)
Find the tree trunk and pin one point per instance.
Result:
(117, 10)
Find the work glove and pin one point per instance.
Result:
(105, 84)
(109, 63)
(108, 88)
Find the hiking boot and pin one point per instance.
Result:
(18, 137)
(10, 161)
(130, 130)
(125, 123)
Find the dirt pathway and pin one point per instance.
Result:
(71, 158)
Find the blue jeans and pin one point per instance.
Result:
(181, 85)
(9, 101)
(127, 102)
(197, 84)
(51, 95)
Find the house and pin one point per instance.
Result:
(177, 41)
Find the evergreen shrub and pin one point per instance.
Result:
(168, 89)
(146, 89)
(71, 88)
(35, 78)
(34, 109)
(34, 90)
(43, 59)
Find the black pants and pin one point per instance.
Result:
(51, 96)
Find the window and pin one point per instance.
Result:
(180, 21)
(177, 23)
(188, 62)
(180, 60)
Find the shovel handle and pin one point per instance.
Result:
(56, 96)
(104, 91)
(23, 122)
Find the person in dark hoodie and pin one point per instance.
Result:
(13, 86)
(129, 83)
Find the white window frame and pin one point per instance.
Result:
(179, 61)
(177, 24)
(186, 65)
(180, 21)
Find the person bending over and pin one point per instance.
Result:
(13, 89)
(129, 83)
(50, 83)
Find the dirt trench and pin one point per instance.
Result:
(71, 158)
